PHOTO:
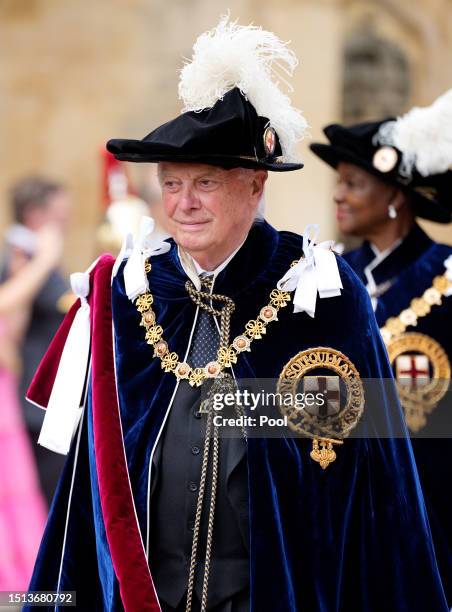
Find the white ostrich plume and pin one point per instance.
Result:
(423, 136)
(251, 59)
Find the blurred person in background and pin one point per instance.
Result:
(23, 509)
(37, 202)
(124, 208)
(389, 173)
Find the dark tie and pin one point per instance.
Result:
(206, 339)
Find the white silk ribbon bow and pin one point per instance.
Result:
(65, 405)
(316, 272)
(448, 264)
(135, 277)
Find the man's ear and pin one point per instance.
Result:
(259, 178)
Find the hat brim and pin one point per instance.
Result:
(333, 155)
(139, 152)
(423, 207)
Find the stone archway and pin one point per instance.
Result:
(377, 80)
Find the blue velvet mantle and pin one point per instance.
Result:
(352, 537)
(411, 268)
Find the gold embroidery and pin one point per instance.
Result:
(419, 354)
(419, 307)
(330, 427)
(419, 395)
(325, 454)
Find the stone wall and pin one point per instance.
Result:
(73, 74)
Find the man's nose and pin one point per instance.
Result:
(188, 198)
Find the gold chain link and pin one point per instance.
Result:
(419, 308)
(199, 504)
(227, 355)
(225, 314)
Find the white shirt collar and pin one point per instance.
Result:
(193, 270)
(379, 257)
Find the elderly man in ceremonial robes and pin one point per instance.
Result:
(156, 510)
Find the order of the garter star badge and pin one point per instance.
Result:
(420, 364)
(422, 371)
(335, 389)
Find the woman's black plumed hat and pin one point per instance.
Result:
(413, 153)
(234, 115)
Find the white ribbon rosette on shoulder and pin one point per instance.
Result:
(66, 400)
(135, 278)
(317, 272)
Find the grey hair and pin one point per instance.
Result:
(260, 212)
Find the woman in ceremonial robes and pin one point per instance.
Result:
(390, 173)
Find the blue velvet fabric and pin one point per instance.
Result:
(352, 537)
(411, 268)
(87, 567)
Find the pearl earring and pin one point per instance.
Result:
(392, 212)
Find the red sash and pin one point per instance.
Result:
(118, 510)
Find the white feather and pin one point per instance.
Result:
(423, 136)
(251, 59)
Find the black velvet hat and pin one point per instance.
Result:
(230, 134)
(234, 114)
(364, 145)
